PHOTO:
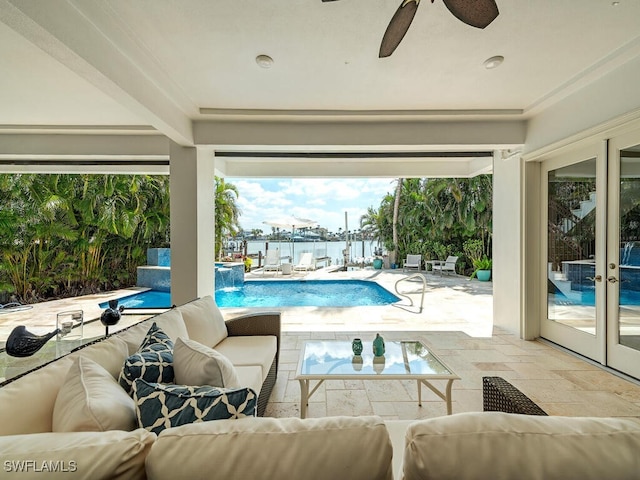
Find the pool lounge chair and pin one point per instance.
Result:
(412, 262)
(272, 261)
(14, 307)
(449, 265)
(305, 264)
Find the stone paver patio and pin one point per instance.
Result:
(456, 323)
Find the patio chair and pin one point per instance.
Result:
(271, 261)
(412, 262)
(448, 266)
(305, 264)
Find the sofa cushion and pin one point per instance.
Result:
(250, 350)
(503, 446)
(134, 335)
(44, 385)
(204, 321)
(109, 353)
(160, 406)
(172, 324)
(153, 362)
(354, 448)
(82, 455)
(250, 376)
(90, 400)
(197, 364)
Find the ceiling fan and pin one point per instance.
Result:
(477, 13)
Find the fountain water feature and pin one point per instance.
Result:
(625, 258)
(229, 276)
(156, 275)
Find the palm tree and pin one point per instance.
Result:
(371, 224)
(396, 208)
(226, 212)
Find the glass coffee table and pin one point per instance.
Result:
(404, 360)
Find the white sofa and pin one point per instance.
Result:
(36, 438)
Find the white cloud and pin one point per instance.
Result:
(322, 199)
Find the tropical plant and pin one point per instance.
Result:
(226, 213)
(483, 263)
(435, 217)
(396, 208)
(63, 235)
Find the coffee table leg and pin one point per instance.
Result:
(419, 393)
(448, 395)
(304, 397)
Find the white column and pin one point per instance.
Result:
(192, 223)
(507, 242)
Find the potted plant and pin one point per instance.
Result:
(482, 268)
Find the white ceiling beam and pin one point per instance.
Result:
(454, 134)
(393, 167)
(34, 145)
(63, 31)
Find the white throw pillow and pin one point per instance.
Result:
(197, 364)
(204, 321)
(90, 400)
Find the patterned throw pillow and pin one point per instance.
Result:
(161, 406)
(152, 362)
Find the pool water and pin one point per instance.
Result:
(587, 297)
(281, 293)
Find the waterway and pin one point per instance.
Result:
(333, 250)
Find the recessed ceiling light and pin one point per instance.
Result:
(615, 4)
(265, 61)
(493, 62)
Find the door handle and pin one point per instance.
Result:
(612, 279)
(597, 278)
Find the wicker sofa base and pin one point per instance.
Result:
(498, 395)
(267, 388)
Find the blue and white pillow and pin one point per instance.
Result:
(161, 406)
(153, 361)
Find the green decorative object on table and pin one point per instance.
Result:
(356, 346)
(378, 345)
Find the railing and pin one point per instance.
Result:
(424, 287)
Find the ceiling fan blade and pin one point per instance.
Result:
(477, 13)
(397, 27)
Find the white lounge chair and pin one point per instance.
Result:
(449, 265)
(272, 261)
(412, 262)
(305, 264)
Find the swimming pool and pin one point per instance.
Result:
(281, 293)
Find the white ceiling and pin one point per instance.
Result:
(161, 62)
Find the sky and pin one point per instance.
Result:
(324, 200)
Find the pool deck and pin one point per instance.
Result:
(456, 322)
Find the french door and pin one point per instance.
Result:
(623, 263)
(592, 252)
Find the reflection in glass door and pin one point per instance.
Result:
(574, 244)
(623, 262)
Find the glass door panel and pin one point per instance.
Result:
(623, 268)
(575, 251)
(571, 237)
(629, 301)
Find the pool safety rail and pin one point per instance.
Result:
(424, 288)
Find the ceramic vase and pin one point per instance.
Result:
(356, 346)
(378, 345)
